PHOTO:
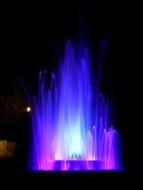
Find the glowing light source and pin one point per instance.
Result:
(28, 109)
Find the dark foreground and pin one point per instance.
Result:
(11, 171)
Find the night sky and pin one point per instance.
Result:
(34, 38)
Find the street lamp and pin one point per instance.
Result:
(28, 109)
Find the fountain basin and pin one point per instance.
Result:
(61, 165)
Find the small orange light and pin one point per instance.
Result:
(28, 109)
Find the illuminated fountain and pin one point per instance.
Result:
(68, 134)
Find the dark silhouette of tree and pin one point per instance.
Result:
(12, 108)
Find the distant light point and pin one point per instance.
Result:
(28, 109)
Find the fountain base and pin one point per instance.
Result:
(61, 165)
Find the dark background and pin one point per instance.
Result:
(33, 38)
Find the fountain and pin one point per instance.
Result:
(67, 132)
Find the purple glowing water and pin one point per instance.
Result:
(64, 137)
